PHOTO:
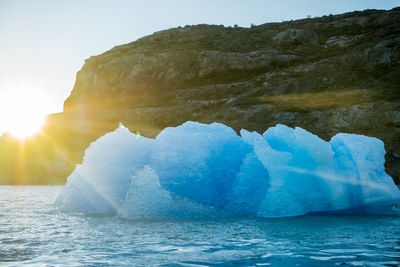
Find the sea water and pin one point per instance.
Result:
(34, 232)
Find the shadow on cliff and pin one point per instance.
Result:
(327, 75)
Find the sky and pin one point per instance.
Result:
(43, 43)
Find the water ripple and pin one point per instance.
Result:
(33, 232)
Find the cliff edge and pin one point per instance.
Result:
(327, 75)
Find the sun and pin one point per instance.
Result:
(21, 114)
(22, 127)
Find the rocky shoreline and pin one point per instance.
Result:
(327, 75)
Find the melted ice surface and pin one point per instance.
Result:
(200, 170)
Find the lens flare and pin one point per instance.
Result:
(21, 114)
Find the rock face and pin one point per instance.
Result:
(327, 75)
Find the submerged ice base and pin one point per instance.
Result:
(200, 170)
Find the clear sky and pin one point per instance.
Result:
(43, 43)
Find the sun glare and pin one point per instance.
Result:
(22, 128)
(21, 115)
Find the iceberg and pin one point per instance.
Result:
(202, 170)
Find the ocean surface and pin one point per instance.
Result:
(34, 233)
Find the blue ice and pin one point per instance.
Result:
(203, 170)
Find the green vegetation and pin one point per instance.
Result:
(328, 75)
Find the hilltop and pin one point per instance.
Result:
(327, 75)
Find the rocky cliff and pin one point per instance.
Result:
(328, 75)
